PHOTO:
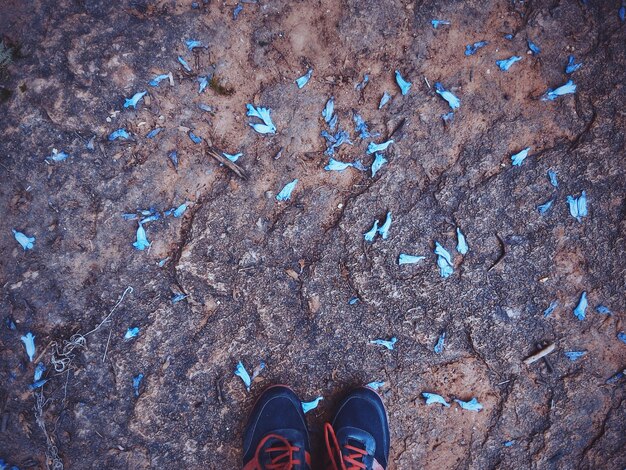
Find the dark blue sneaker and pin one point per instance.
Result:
(276, 436)
(358, 437)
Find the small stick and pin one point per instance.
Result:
(226, 162)
(501, 257)
(546, 361)
(539, 355)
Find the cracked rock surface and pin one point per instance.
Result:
(271, 281)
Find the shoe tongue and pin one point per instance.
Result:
(295, 439)
(360, 439)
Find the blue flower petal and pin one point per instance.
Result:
(452, 100)
(132, 102)
(440, 343)
(335, 165)
(374, 147)
(142, 242)
(545, 207)
(131, 333)
(622, 337)
(384, 228)
(154, 132)
(137, 383)
(184, 63)
(402, 83)
(579, 311)
(285, 193)
(25, 241)
(178, 297)
(553, 179)
(461, 245)
(304, 79)
(361, 127)
(119, 134)
(35, 385)
(603, 310)
(574, 355)
(384, 100)
(203, 82)
(376, 384)
(238, 9)
(389, 344)
(471, 49)
(329, 109)
(361, 86)
(233, 157)
(519, 157)
(39, 370)
(409, 259)
(158, 79)
(241, 371)
(444, 261)
(194, 138)
(311, 405)
(471, 405)
(572, 66)
(192, 44)
(268, 126)
(547, 312)
(29, 344)
(371, 234)
(578, 206)
(534, 48)
(437, 23)
(505, 64)
(567, 89)
(379, 161)
(432, 398)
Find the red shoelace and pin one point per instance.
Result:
(284, 458)
(338, 461)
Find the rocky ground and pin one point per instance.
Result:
(271, 281)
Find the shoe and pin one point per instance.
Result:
(358, 437)
(276, 436)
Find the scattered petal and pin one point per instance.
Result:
(471, 405)
(385, 343)
(574, 355)
(328, 112)
(448, 117)
(154, 132)
(572, 66)
(29, 344)
(194, 138)
(534, 48)
(553, 180)
(158, 79)
(461, 245)
(192, 44)
(379, 161)
(471, 49)
(206, 108)
(173, 156)
(519, 157)
(304, 79)
(603, 310)
(137, 383)
(505, 64)
(567, 89)
(508, 36)
(508, 443)
(184, 63)
(432, 398)
(374, 147)
(142, 241)
(440, 343)
(25, 241)
(268, 126)
(335, 165)
(361, 127)
(36, 384)
(353, 300)
(241, 371)
(131, 333)
(119, 134)
(622, 337)
(545, 207)
(203, 82)
(622, 13)
(616, 377)
(444, 261)
(57, 156)
(10, 323)
(311, 405)
(132, 102)
(163, 261)
(547, 312)
(361, 86)
(375, 385)
(231, 157)
(409, 259)
(436, 23)
(238, 9)
(452, 100)
(335, 141)
(579, 311)
(39, 370)
(384, 228)
(402, 83)
(180, 210)
(285, 193)
(178, 297)
(578, 206)
(384, 100)
(369, 236)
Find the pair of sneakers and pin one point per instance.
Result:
(276, 436)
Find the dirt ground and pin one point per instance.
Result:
(268, 280)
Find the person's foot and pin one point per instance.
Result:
(276, 436)
(358, 437)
